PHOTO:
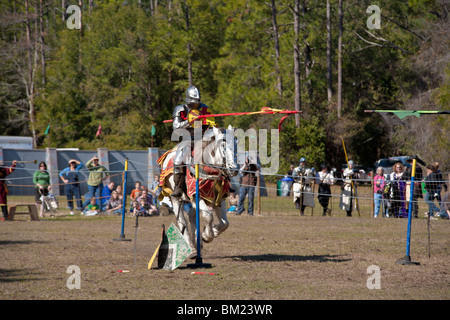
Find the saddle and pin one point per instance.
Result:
(212, 191)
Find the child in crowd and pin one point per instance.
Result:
(119, 191)
(114, 204)
(52, 201)
(93, 208)
(135, 193)
(233, 201)
(139, 208)
(137, 189)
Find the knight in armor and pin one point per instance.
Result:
(349, 189)
(183, 118)
(303, 193)
(325, 180)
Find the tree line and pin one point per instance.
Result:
(128, 63)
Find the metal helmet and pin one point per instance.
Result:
(192, 95)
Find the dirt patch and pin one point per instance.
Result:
(260, 257)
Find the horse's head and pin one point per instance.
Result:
(221, 150)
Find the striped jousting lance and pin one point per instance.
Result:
(264, 110)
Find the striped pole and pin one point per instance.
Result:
(124, 204)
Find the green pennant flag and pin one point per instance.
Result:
(401, 114)
(47, 130)
(153, 131)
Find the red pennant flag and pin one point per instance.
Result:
(99, 131)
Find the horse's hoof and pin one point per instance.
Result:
(207, 239)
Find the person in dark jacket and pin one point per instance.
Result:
(431, 190)
(248, 183)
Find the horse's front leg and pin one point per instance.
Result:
(179, 214)
(191, 232)
(220, 215)
(207, 216)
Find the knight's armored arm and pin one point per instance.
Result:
(178, 121)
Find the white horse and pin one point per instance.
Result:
(217, 166)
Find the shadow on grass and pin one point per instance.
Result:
(16, 275)
(283, 257)
(11, 242)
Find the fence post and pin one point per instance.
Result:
(258, 182)
(152, 165)
(103, 158)
(51, 159)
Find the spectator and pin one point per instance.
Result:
(97, 174)
(139, 208)
(431, 190)
(70, 176)
(291, 170)
(148, 201)
(445, 204)
(137, 189)
(378, 187)
(50, 201)
(248, 183)
(106, 194)
(119, 192)
(145, 195)
(233, 201)
(41, 180)
(440, 181)
(155, 190)
(93, 208)
(325, 180)
(114, 205)
(398, 180)
(135, 193)
(4, 171)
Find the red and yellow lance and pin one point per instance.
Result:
(264, 110)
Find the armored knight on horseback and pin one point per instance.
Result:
(183, 118)
(211, 179)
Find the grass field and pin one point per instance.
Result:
(276, 257)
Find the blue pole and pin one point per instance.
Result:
(198, 260)
(197, 212)
(408, 234)
(407, 259)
